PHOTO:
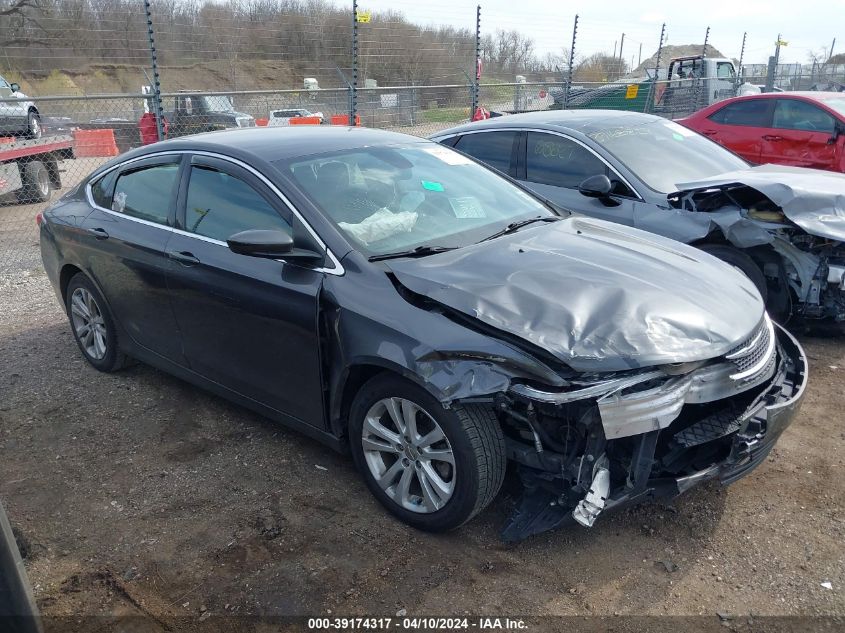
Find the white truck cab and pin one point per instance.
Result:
(694, 82)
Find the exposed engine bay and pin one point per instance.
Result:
(609, 441)
(805, 273)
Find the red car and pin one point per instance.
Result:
(805, 129)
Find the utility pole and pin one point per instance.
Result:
(621, 59)
(741, 55)
(640, 56)
(652, 94)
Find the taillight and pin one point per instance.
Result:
(39, 218)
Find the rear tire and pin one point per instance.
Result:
(431, 485)
(743, 262)
(92, 325)
(36, 183)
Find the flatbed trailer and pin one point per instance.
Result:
(30, 168)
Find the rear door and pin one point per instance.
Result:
(123, 247)
(801, 135)
(247, 323)
(740, 126)
(496, 148)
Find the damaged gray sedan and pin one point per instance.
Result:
(784, 227)
(389, 296)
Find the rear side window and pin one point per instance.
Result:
(220, 205)
(146, 193)
(791, 114)
(754, 113)
(560, 162)
(492, 148)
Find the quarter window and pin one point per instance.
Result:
(753, 112)
(791, 114)
(492, 148)
(558, 161)
(146, 193)
(220, 205)
(102, 190)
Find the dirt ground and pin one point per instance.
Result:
(135, 493)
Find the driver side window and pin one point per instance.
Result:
(561, 162)
(220, 205)
(791, 114)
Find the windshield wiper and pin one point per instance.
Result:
(419, 251)
(515, 226)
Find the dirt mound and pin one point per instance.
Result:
(678, 50)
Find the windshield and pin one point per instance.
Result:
(837, 104)
(217, 103)
(662, 153)
(395, 198)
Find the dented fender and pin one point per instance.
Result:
(448, 359)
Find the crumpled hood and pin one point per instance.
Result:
(812, 198)
(597, 296)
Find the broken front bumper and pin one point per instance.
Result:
(752, 435)
(760, 426)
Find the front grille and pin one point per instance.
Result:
(755, 353)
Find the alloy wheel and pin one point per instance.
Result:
(88, 323)
(408, 455)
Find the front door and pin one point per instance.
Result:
(801, 135)
(247, 323)
(554, 166)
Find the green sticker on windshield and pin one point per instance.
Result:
(677, 137)
(431, 186)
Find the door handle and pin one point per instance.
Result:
(709, 132)
(183, 257)
(772, 137)
(99, 232)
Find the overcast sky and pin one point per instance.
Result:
(806, 25)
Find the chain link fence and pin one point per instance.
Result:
(108, 76)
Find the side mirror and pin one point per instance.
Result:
(15, 87)
(598, 186)
(269, 245)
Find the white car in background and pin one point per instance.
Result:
(283, 117)
(18, 114)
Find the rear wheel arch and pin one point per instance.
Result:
(65, 275)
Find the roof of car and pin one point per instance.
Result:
(813, 95)
(275, 143)
(580, 120)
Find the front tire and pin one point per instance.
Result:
(92, 325)
(434, 468)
